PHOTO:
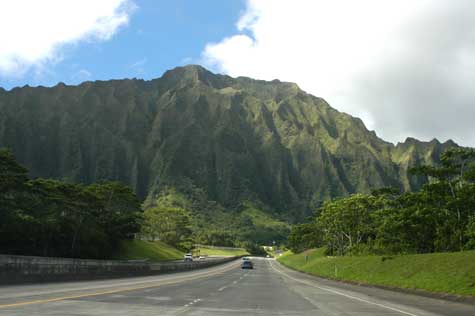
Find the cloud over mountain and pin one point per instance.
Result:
(405, 68)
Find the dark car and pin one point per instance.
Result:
(247, 264)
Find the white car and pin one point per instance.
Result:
(188, 257)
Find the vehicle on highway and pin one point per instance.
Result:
(247, 264)
(246, 259)
(202, 257)
(188, 257)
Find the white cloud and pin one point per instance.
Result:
(33, 33)
(81, 75)
(138, 66)
(186, 61)
(406, 68)
(138, 63)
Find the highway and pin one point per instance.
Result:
(269, 289)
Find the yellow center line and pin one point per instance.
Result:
(118, 289)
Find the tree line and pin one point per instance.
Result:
(49, 217)
(182, 216)
(438, 218)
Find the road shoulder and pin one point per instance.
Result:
(379, 295)
(418, 292)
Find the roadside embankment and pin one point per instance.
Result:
(207, 250)
(25, 269)
(154, 251)
(445, 273)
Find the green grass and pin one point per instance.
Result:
(152, 250)
(265, 227)
(261, 219)
(452, 273)
(220, 252)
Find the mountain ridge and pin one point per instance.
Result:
(235, 138)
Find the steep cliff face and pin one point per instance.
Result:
(236, 138)
(414, 153)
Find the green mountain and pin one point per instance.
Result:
(234, 139)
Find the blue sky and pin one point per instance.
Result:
(160, 35)
(404, 68)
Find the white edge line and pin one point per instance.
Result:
(342, 294)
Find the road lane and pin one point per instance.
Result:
(337, 296)
(19, 295)
(269, 289)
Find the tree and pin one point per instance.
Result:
(65, 214)
(55, 218)
(439, 217)
(346, 222)
(119, 213)
(171, 225)
(451, 189)
(406, 225)
(13, 215)
(254, 249)
(13, 177)
(216, 237)
(470, 233)
(305, 236)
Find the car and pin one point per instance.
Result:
(247, 264)
(188, 257)
(202, 257)
(246, 259)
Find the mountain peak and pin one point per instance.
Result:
(450, 142)
(196, 73)
(193, 74)
(191, 68)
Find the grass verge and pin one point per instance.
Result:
(220, 251)
(451, 273)
(153, 250)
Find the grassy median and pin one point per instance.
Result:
(153, 250)
(452, 273)
(220, 251)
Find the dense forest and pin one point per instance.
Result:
(54, 218)
(49, 217)
(438, 218)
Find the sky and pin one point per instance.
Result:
(77, 40)
(406, 68)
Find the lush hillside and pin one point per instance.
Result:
(151, 250)
(219, 251)
(451, 273)
(225, 140)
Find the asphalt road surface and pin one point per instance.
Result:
(269, 289)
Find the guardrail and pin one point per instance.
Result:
(26, 269)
